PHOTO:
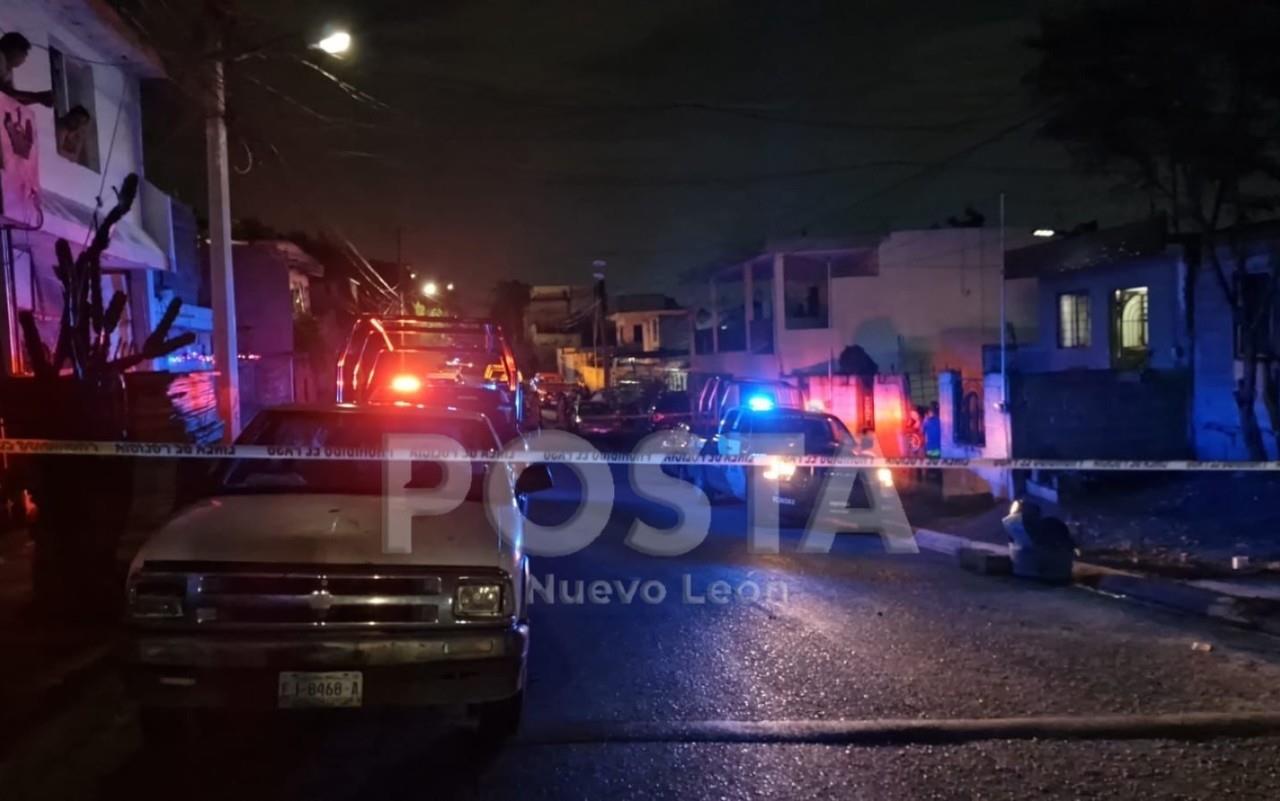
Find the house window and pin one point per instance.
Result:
(1259, 315)
(1131, 333)
(75, 115)
(805, 287)
(1074, 320)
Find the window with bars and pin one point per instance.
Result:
(1074, 320)
(1131, 342)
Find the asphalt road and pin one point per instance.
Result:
(859, 635)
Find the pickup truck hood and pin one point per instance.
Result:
(322, 529)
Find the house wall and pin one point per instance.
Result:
(996, 427)
(88, 33)
(656, 327)
(1101, 414)
(1166, 315)
(115, 90)
(264, 329)
(550, 305)
(1215, 419)
(934, 302)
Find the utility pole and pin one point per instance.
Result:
(597, 323)
(1005, 408)
(222, 276)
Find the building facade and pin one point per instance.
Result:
(916, 302)
(56, 187)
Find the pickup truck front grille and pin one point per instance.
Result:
(237, 597)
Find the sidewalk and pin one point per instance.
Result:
(1250, 601)
(43, 661)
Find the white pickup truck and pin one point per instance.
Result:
(277, 591)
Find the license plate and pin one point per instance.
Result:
(337, 688)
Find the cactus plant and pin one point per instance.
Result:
(83, 502)
(86, 327)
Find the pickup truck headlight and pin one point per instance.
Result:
(478, 600)
(156, 598)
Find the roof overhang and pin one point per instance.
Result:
(71, 220)
(111, 35)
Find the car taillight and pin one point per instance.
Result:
(406, 384)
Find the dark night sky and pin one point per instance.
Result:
(525, 138)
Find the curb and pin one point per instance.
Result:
(1245, 612)
(1196, 725)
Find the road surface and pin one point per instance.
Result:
(682, 698)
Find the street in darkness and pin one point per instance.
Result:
(703, 400)
(657, 700)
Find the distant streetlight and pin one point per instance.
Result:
(430, 289)
(449, 287)
(335, 44)
(1043, 233)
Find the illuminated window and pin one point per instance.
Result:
(1074, 320)
(1131, 333)
(1131, 318)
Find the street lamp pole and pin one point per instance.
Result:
(221, 273)
(226, 353)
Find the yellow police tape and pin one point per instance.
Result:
(170, 450)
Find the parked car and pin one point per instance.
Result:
(795, 489)
(601, 417)
(670, 409)
(277, 592)
(595, 418)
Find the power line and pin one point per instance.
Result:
(935, 167)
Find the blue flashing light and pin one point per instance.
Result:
(760, 403)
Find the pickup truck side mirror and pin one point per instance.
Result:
(534, 478)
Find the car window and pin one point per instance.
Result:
(817, 432)
(309, 432)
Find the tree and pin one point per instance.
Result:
(1182, 98)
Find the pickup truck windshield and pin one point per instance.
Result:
(821, 434)
(314, 431)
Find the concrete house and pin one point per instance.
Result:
(88, 56)
(1108, 375)
(917, 302)
(1137, 355)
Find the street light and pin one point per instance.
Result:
(430, 289)
(335, 44)
(449, 287)
(222, 278)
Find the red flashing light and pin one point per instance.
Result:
(406, 384)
